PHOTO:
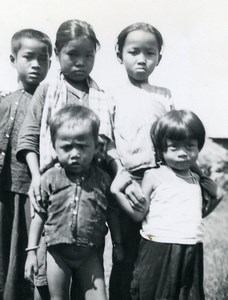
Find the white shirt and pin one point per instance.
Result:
(134, 111)
(175, 212)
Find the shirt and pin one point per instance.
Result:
(175, 212)
(14, 175)
(134, 111)
(76, 211)
(29, 135)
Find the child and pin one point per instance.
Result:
(136, 106)
(31, 52)
(170, 260)
(75, 203)
(75, 48)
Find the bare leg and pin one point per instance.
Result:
(91, 276)
(59, 278)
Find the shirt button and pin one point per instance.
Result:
(76, 198)
(7, 135)
(74, 212)
(3, 154)
(11, 118)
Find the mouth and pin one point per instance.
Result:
(140, 69)
(34, 75)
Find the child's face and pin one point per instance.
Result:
(76, 59)
(140, 55)
(32, 62)
(181, 155)
(75, 146)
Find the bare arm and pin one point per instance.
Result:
(35, 231)
(117, 188)
(34, 190)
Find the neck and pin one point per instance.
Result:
(79, 85)
(140, 84)
(182, 173)
(77, 177)
(28, 88)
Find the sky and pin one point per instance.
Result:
(194, 65)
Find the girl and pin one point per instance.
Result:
(75, 47)
(136, 106)
(170, 259)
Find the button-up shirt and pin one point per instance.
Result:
(14, 176)
(76, 211)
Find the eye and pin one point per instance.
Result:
(90, 55)
(67, 148)
(43, 58)
(27, 57)
(133, 52)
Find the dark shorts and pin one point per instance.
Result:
(168, 271)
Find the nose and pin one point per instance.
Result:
(35, 64)
(141, 58)
(74, 153)
(182, 153)
(80, 61)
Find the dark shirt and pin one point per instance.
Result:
(14, 176)
(76, 212)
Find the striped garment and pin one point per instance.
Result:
(56, 99)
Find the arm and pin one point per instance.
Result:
(113, 221)
(34, 190)
(212, 194)
(28, 139)
(117, 188)
(35, 231)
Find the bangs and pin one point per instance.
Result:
(180, 132)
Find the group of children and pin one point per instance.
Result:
(74, 159)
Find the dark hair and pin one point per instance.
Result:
(177, 125)
(30, 34)
(73, 29)
(75, 114)
(137, 26)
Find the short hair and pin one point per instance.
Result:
(75, 114)
(30, 34)
(137, 26)
(177, 125)
(73, 29)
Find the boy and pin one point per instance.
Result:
(74, 208)
(30, 55)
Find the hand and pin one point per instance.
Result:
(210, 203)
(120, 182)
(209, 186)
(135, 196)
(31, 266)
(117, 253)
(34, 195)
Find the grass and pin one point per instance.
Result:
(216, 253)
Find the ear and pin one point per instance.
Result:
(50, 63)
(159, 59)
(12, 60)
(56, 54)
(119, 56)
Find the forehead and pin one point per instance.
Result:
(141, 37)
(80, 43)
(33, 46)
(80, 128)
